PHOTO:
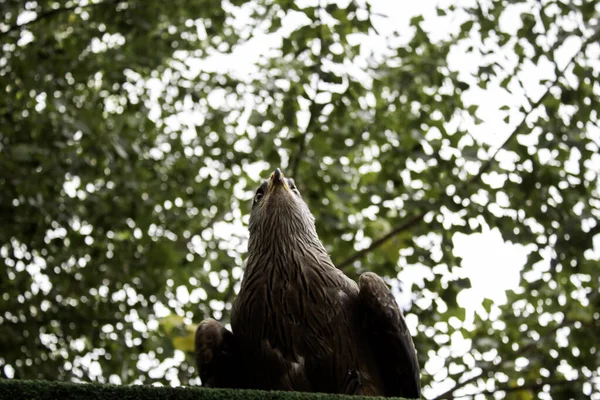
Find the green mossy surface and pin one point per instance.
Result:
(14, 389)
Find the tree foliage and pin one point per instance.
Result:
(127, 163)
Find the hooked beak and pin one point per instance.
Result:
(277, 181)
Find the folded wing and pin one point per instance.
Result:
(389, 338)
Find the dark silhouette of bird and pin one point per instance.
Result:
(300, 324)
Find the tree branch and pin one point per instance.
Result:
(303, 140)
(448, 393)
(401, 228)
(484, 167)
(524, 350)
(312, 109)
(50, 13)
(529, 387)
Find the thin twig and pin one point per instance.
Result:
(448, 393)
(524, 350)
(312, 109)
(303, 141)
(531, 386)
(484, 167)
(49, 13)
(401, 228)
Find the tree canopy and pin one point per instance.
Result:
(134, 132)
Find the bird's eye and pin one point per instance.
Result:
(293, 186)
(258, 196)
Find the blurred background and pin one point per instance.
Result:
(452, 147)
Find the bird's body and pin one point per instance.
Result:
(303, 319)
(299, 323)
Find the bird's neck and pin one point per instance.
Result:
(282, 241)
(293, 250)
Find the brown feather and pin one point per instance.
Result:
(300, 324)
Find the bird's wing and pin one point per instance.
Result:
(389, 338)
(217, 356)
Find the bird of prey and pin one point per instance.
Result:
(300, 324)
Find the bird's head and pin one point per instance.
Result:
(279, 212)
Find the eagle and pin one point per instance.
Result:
(298, 322)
